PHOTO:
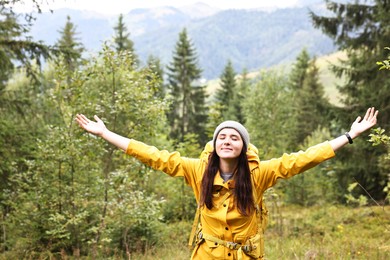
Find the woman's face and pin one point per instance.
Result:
(228, 144)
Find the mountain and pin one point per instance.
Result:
(251, 39)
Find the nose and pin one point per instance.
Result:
(227, 141)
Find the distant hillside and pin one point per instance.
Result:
(251, 39)
(326, 76)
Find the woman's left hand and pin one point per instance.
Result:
(360, 125)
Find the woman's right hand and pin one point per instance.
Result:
(96, 128)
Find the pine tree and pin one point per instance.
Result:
(154, 64)
(70, 46)
(299, 70)
(313, 107)
(310, 105)
(122, 39)
(16, 47)
(244, 85)
(361, 31)
(188, 113)
(225, 95)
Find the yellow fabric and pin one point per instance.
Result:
(224, 221)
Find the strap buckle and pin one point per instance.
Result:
(246, 248)
(232, 245)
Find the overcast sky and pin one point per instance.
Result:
(124, 6)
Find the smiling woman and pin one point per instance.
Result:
(228, 181)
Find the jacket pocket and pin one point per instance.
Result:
(254, 246)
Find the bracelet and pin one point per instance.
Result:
(349, 138)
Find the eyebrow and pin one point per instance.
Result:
(233, 135)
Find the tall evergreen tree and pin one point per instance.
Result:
(361, 30)
(244, 85)
(70, 46)
(309, 103)
(154, 64)
(225, 95)
(16, 47)
(122, 39)
(299, 70)
(313, 107)
(17, 114)
(188, 113)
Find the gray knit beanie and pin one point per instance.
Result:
(236, 126)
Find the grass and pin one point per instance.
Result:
(322, 232)
(329, 232)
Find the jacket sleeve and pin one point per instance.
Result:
(169, 162)
(291, 164)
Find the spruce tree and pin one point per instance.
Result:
(16, 47)
(225, 95)
(243, 88)
(154, 64)
(312, 105)
(361, 31)
(122, 39)
(299, 70)
(70, 46)
(309, 103)
(188, 112)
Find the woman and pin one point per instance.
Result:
(229, 180)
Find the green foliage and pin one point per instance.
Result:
(268, 113)
(378, 137)
(188, 112)
(317, 186)
(133, 222)
(122, 41)
(299, 70)
(352, 200)
(296, 232)
(65, 192)
(179, 202)
(79, 191)
(310, 104)
(17, 47)
(328, 232)
(351, 25)
(226, 97)
(385, 64)
(70, 46)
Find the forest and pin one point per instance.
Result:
(66, 194)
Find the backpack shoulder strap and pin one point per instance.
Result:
(194, 227)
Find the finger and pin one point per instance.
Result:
(97, 118)
(373, 119)
(368, 113)
(81, 119)
(372, 112)
(358, 119)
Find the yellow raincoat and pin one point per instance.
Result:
(223, 221)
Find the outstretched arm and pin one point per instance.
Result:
(359, 126)
(98, 128)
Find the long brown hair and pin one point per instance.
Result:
(243, 183)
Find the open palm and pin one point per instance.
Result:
(360, 125)
(96, 128)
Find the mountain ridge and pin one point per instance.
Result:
(250, 38)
